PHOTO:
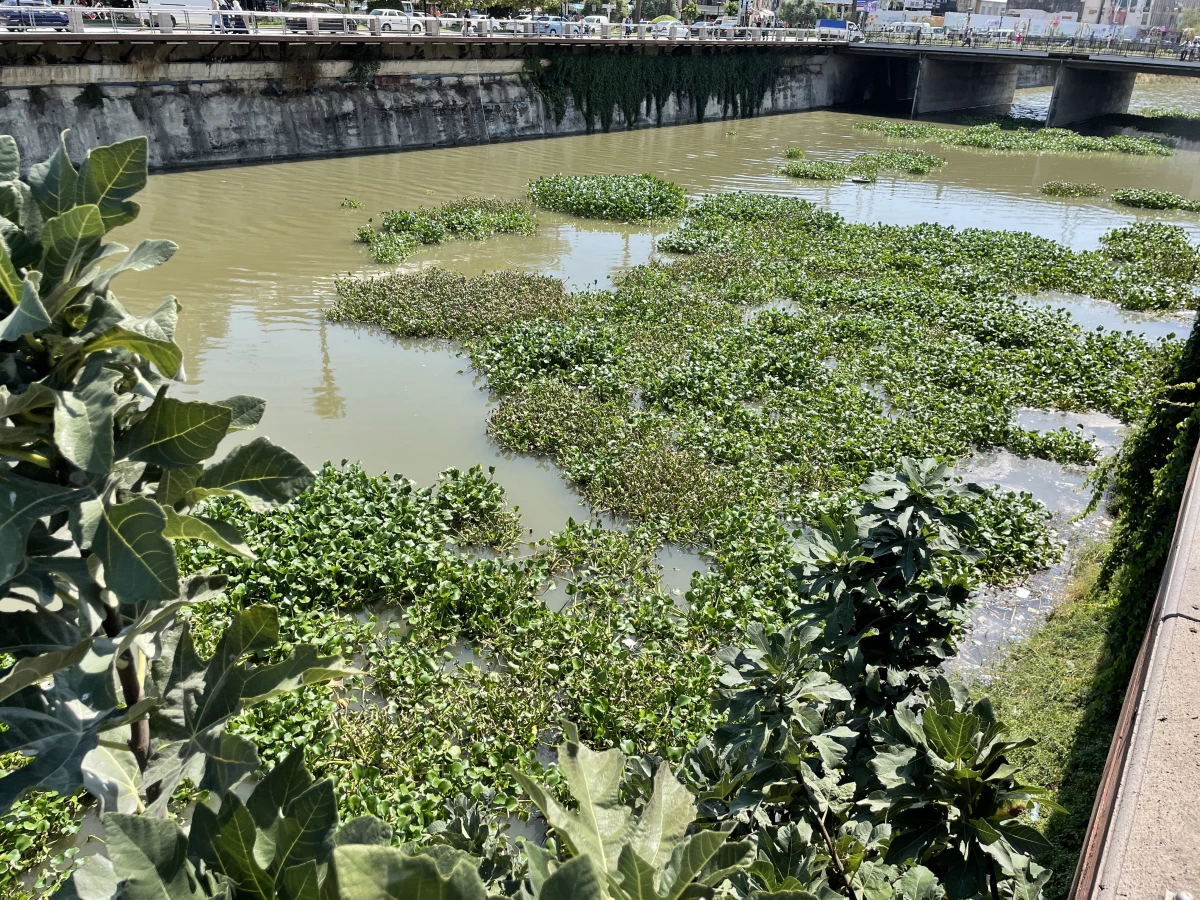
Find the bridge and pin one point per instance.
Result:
(276, 88)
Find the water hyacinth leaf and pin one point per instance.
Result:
(364, 830)
(151, 856)
(53, 181)
(139, 562)
(67, 237)
(111, 175)
(22, 503)
(83, 422)
(365, 872)
(175, 434)
(31, 669)
(112, 776)
(30, 315)
(260, 471)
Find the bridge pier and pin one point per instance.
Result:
(1081, 94)
(952, 85)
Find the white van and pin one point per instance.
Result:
(401, 20)
(191, 13)
(595, 24)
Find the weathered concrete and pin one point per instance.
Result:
(218, 113)
(1035, 76)
(948, 86)
(1082, 94)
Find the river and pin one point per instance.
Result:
(260, 245)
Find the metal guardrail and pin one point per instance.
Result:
(199, 20)
(1049, 44)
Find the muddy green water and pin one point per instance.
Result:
(259, 247)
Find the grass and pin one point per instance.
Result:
(1049, 687)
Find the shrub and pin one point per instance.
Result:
(621, 198)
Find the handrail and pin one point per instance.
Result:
(200, 20)
(1091, 856)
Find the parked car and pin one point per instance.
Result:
(668, 28)
(298, 13)
(1000, 35)
(518, 24)
(556, 25)
(399, 20)
(723, 27)
(911, 28)
(183, 12)
(595, 24)
(21, 14)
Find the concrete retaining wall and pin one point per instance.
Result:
(951, 86)
(205, 114)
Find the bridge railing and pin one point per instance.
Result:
(181, 19)
(1055, 45)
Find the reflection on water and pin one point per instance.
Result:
(1091, 314)
(1061, 488)
(1106, 431)
(260, 247)
(676, 568)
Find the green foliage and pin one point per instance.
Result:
(731, 8)
(691, 12)
(861, 770)
(1072, 189)
(101, 687)
(1140, 198)
(803, 13)
(1155, 248)
(438, 303)
(1146, 482)
(992, 136)
(1171, 113)
(471, 218)
(600, 85)
(621, 198)
(626, 856)
(351, 203)
(816, 170)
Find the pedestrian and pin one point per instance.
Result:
(239, 22)
(216, 17)
(628, 26)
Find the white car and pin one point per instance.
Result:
(518, 24)
(670, 29)
(595, 24)
(398, 20)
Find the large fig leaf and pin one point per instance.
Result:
(601, 825)
(22, 503)
(53, 181)
(139, 563)
(366, 872)
(260, 471)
(67, 238)
(150, 856)
(83, 423)
(176, 433)
(30, 315)
(111, 175)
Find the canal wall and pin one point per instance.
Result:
(197, 113)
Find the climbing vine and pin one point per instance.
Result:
(602, 85)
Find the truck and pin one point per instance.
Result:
(838, 30)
